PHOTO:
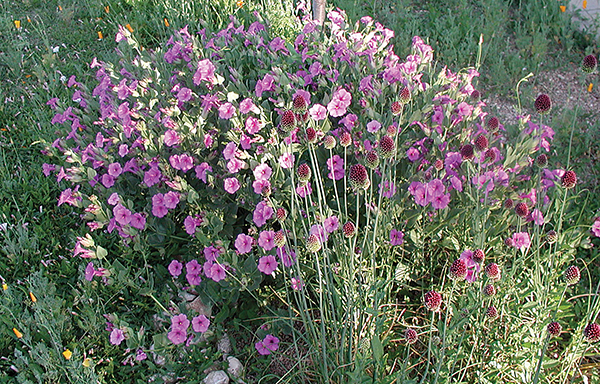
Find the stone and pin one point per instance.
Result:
(224, 345)
(235, 367)
(216, 377)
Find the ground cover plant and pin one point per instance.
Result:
(346, 213)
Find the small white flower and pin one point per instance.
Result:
(55, 49)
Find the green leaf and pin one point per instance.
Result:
(377, 348)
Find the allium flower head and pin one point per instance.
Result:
(372, 159)
(288, 121)
(589, 63)
(349, 229)
(522, 210)
(386, 146)
(404, 95)
(489, 290)
(433, 301)
(466, 151)
(551, 236)
(572, 275)
(592, 332)
(313, 244)
(492, 271)
(491, 312)
(568, 179)
(329, 142)
(411, 336)
(396, 108)
(281, 214)
(543, 104)
(508, 203)
(458, 270)
(542, 160)
(359, 179)
(345, 139)
(554, 328)
(303, 172)
(299, 105)
(481, 143)
(490, 155)
(478, 256)
(492, 123)
(279, 239)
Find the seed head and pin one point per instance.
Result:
(466, 151)
(349, 229)
(475, 95)
(508, 203)
(358, 177)
(521, 209)
(592, 332)
(439, 164)
(568, 179)
(329, 142)
(481, 143)
(551, 236)
(404, 95)
(492, 271)
(554, 328)
(279, 239)
(458, 270)
(543, 104)
(589, 63)
(345, 139)
(387, 146)
(509, 242)
(313, 244)
(281, 214)
(478, 255)
(542, 160)
(303, 172)
(432, 301)
(372, 159)
(493, 123)
(491, 312)
(490, 155)
(411, 336)
(288, 121)
(489, 290)
(396, 108)
(572, 275)
(299, 105)
(311, 135)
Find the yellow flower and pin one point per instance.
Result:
(166, 22)
(106, 9)
(17, 333)
(18, 24)
(590, 87)
(5, 286)
(32, 297)
(100, 37)
(563, 8)
(584, 4)
(67, 354)
(87, 362)
(129, 28)
(240, 3)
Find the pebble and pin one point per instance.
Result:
(216, 377)
(235, 367)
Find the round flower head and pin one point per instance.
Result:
(554, 328)
(386, 146)
(492, 271)
(329, 142)
(542, 160)
(568, 179)
(313, 244)
(490, 155)
(481, 143)
(509, 242)
(411, 336)
(589, 63)
(279, 239)
(433, 301)
(466, 151)
(404, 95)
(396, 108)
(493, 123)
(522, 210)
(551, 236)
(508, 203)
(345, 139)
(489, 290)
(592, 332)
(475, 95)
(458, 270)
(491, 312)
(299, 105)
(543, 104)
(358, 177)
(478, 256)
(303, 172)
(311, 135)
(288, 121)
(572, 275)
(372, 159)
(281, 214)
(438, 164)
(349, 229)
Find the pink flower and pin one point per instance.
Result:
(175, 268)
(318, 112)
(117, 336)
(152, 176)
(115, 169)
(413, 154)
(297, 284)
(596, 227)
(304, 190)
(253, 125)
(193, 278)
(396, 237)
(177, 336)
(243, 243)
(262, 172)
(191, 223)
(262, 213)
(217, 272)
(67, 196)
(343, 96)
(267, 264)
(388, 189)
(234, 165)
(266, 240)
(473, 268)
(335, 164)
(271, 342)
(200, 324)
(373, 126)
(226, 111)
(247, 105)
(171, 138)
(89, 271)
(138, 221)
(193, 266)
(205, 72)
(122, 214)
(440, 201)
(180, 322)
(201, 171)
(286, 160)
(171, 199)
(331, 224)
(231, 185)
(261, 349)
(287, 258)
(336, 108)
(158, 206)
(107, 180)
(521, 240)
(537, 217)
(211, 253)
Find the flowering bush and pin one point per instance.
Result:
(319, 167)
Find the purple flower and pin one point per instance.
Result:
(184, 94)
(335, 164)
(217, 272)
(200, 324)
(115, 169)
(388, 189)
(67, 196)
(171, 138)
(193, 278)
(262, 213)
(175, 268)
(297, 284)
(373, 126)
(138, 221)
(158, 206)
(287, 258)
(89, 271)
(286, 160)
(231, 185)
(413, 154)
(253, 125)
(262, 172)
(247, 105)
(177, 336)
(267, 264)
(201, 171)
(107, 180)
(396, 237)
(440, 201)
(521, 240)
(205, 72)
(304, 190)
(336, 108)
(266, 240)
(537, 217)
(180, 322)
(271, 342)
(243, 243)
(48, 168)
(152, 176)
(261, 349)
(318, 112)
(193, 266)
(211, 253)
(234, 165)
(171, 199)
(122, 214)
(473, 268)
(331, 224)
(117, 336)
(226, 111)
(260, 185)
(596, 228)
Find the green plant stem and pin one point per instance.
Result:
(429, 349)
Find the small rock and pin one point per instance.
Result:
(216, 377)
(224, 345)
(235, 367)
(198, 306)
